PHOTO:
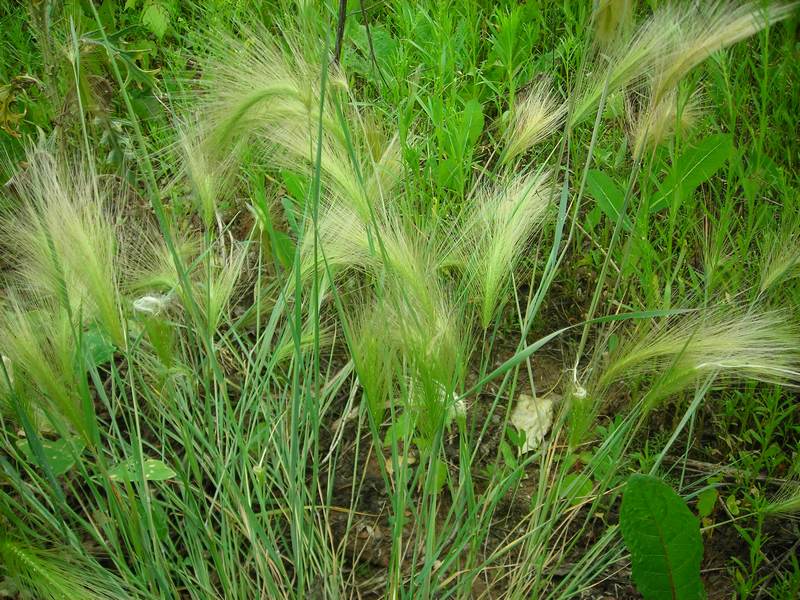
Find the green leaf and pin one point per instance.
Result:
(292, 211)
(613, 342)
(284, 248)
(155, 17)
(97, 349)
(575, 487)
(509, 454)
(608, 195)
(472, 121)
(383, 45)
(439, 473)
(695, 166)
(154, 470)
(106, 14)
(449, 170)
(733, 505)
(400, 429)
(515, 438)
(58, 453)
(663, 537)
(297, 187)
(706, 500)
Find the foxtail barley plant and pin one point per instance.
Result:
(279, 359)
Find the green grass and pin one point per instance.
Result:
(265, 318)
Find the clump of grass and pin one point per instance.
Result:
(344, 244)
(705, 28)
(39, 343)
(427, 332)
(255, 499)
(624, 62)
(61, 243)
(421, 337)
(376, 362)
(62, 240)
(58, 573)
(699, 31)
(668, 45)
(217, 272)
(271, 95)
(208, 173)
(216, 282)
(147, 263)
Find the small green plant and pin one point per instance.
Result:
(663, 537)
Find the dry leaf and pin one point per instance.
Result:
(533, 416)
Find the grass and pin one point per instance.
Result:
(265, 317)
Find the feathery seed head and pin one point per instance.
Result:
(267, 93)
(536, 117)
(656, 123)
(730, 343)
(780, 255)
(787, 501)
(670, 43)
(502, 221)
(62, 241)
(38, 339)
(707, 27)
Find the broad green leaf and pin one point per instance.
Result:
(593, 218)
(161, 334)
(155, 17)
(706, 501)
(695, 166)
(282, 244)
(97, 349)
(613, 342)
(663, 537)
(733, 505)
(58, 453)
(472, 121)
(509, 454)
(154, 470)
(284, 248)
(608, 195)
(106, 14)
(401, 428)
(296, 186)
(575, 487)
(449, 169)
(439, 473)
(515, 438)
(291, 211)
(382, 44)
